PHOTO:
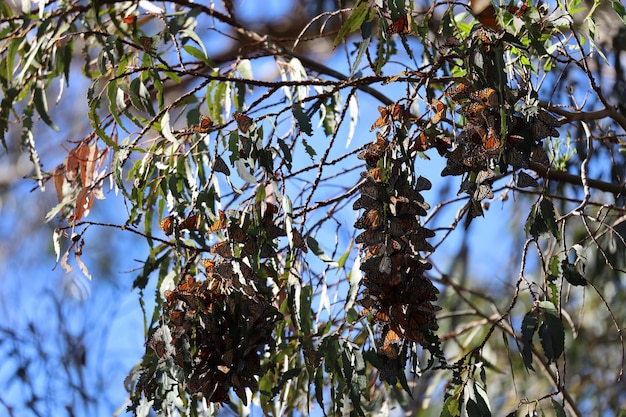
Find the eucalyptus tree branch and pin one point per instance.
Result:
(563, 176)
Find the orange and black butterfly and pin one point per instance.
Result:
(388, 114)
(421, 142)
(204, 125)
(439, 110)
(370, 238)
(243, 122)
(371, 219)
(167, 225)
(366, 202)
(222, 249)
(220, 223)
(390, 344)
(191, 223)
(491, 140)
(401, 25)
(458, 92)
(488, 96)
(524, 180)
(485, 12)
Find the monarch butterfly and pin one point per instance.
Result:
(191, 223)
(220, 223)
(482, 191)
(366, 202)
(474, 111)
(401, 25)
(298, 240)
(204, 125)
(488, 96)
(543, 125)
(485, 12)
(539, 155)
(517, 159)
(491, 140)
(371, 219)
(421, 142)
(374, 191)
(403, 206)
(443, 143)
(250, 247)
(473, 133)
(167, 225)
(146, 43)
(220, 166)
(439, 110)
(374, 151)
(393, 112)
(373, 174)
(370, 238)
(237, 234)
(389, 347)
(459, 92)
(130, 19)
(370, 266)
(208, 264)
(243, 122)
(222, 249)
(524, 180)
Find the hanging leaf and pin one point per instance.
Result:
(542, 220)
(551, 331)
(549, 217)
(304, 121)
(451, 408)
(558, 408)
(354, 22)
(529, 326)
(571, 274)
(319, 252)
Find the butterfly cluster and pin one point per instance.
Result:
(219, 325)
(397, 296)
(222, 319)
(500, 129)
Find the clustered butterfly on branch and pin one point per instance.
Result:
(222, 321)
(397, 296)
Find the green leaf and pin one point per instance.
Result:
(354, 22)
(549, 217)
(542, 220)
(318, 251)
(284, 378)
(309, 150)
(475, 410)
(619, 9)
(41, 104)
(571, 274)
(529, 326)
(551, 332)
(198, 54)
(558, 409)
(366, 34)
(451, 408)
(304, 121)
